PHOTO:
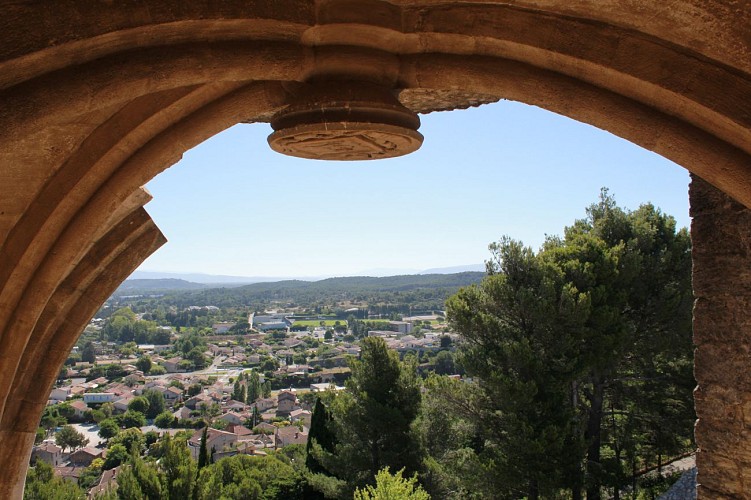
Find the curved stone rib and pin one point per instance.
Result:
(77, 306)
(158, 154)
(83, 174)
(41, 344)
(60, 97)
(721, 164)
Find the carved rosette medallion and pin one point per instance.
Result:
(346, 141)
(345, 121)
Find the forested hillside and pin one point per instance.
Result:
(427, 292)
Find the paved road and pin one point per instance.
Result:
(212, 369)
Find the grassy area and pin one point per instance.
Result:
(317, 322)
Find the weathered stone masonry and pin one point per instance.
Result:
(98, 97)
(721, 237)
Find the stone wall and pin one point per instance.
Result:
(721, 235)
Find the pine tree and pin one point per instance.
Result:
(372, 418)
(595, 325)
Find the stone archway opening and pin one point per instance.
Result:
(100, 99)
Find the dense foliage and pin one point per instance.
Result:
(401, 294)
(582, 353)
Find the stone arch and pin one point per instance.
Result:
(97, 99)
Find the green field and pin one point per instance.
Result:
(317, 322)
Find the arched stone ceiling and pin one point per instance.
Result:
(99, 97)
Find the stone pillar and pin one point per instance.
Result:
(721, 237)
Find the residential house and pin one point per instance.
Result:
(48, 452)
(291, 434)
(172, 364)
(79, 408)
(216, 441)
(71, 474)
(401, 326)
(183, 413)
(60, 393)
(240, 430)
(292, 343)
(198, 399)
(286, 401)
(300, 415)
(84, 456)
(264, 404)
(120, 389)
(234, 405)
(221, 328)
(107, 481)
(122, 403)
(99, 381)
(99, 397)
(324, 387)
(134, 378)
(265, 428)
(232, 418)
(173, 395)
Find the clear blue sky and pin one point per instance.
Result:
(232, 206)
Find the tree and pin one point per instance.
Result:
(155, 400)
(391, 487)
(131, 439)
(41, 483)
(565, 337)
(69, 437)
(52, 419)
(197, 357)
(514, 345)
(238, 391)
(88, 354)
(157, 370)
(321, 435)
(139, 480)
(133, 419)
(139, 404)
(108, 428)
(165, 420)
(203, 453)
(372, 418)
(40, 435)
(266, 389)
(243, 476)
(253, 390)
(116, 455)
(445, 342)
(444, 363)
(449, 431)
(144, 364)
(179, 468)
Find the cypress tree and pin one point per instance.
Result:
(203, 454)
(320, 434)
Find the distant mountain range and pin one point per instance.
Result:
(416, 291)
(227, 280)
(142, 285)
